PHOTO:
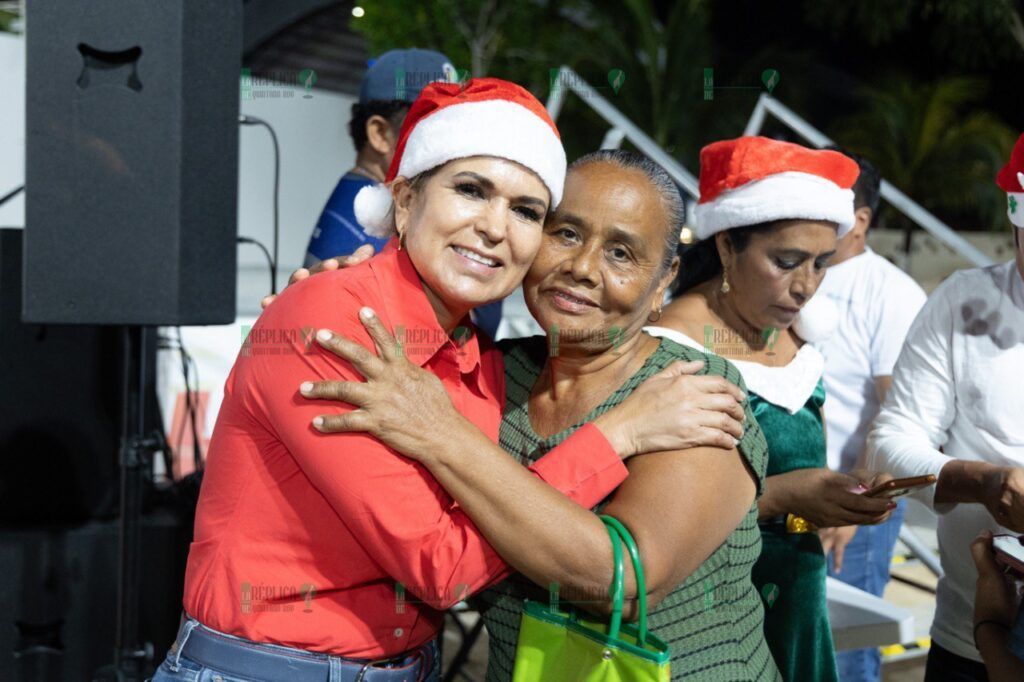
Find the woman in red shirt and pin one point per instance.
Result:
(293, 569)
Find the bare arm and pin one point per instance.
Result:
(1000, 663)
(680, 507)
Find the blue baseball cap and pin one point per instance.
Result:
(402, 74)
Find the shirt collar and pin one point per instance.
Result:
(412, 318)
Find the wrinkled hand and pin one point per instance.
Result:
(400, 403)
(336, 263)
(824, 498)
(674, 410)
(995, 596)
(1004, 497)
(834, 540)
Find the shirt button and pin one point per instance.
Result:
(399, 632)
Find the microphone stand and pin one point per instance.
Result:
(132, 657)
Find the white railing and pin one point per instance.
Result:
(766, 104)
(623, 128)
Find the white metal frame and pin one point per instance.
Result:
(766, 104)
(623, 128)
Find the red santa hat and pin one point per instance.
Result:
(483, 117)
(753, 180)
(1011, 180)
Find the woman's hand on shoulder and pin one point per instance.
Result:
(676, 410)
(400, 403)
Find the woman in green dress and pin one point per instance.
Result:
(768, 222)
(606, 260)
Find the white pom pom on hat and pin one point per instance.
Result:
(483, 117)
(372, 207)
(817, 320)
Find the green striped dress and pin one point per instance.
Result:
(713, 621)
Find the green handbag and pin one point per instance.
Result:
(559, 645)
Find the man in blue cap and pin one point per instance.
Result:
(390, 86)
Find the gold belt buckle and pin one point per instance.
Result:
(797, 524)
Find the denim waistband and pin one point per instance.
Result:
(237, 656)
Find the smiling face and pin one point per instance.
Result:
(778, 271)
(472, 228)
(599, 271)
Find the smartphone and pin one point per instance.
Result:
(1009, 554)
(898, 487)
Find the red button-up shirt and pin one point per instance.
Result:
(335, 543)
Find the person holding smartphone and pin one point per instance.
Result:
(957, 386)
(769, 218)
(998, 621)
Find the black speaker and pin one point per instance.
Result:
(60, 409)
(57, 587)
(131, 161)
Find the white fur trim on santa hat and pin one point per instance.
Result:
(782, 196)
(372, 207)
(487, 128)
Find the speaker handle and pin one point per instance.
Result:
(95, 59)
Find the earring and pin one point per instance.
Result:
(401, 240)
(655, 312)
(725, 288)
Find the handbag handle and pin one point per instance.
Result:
(616, 528)
(617, 590)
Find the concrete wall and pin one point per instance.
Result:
(315, 151)
(12, 127)
(930, 260)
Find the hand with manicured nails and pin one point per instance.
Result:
(825, 498)
(406, 407)
(399, 403)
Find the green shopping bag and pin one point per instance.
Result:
(561, 646)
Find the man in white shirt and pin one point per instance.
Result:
(959, 385)
(876, 302)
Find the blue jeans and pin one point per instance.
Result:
(866, 566)
(179, 668)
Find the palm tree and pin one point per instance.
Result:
(932, 143)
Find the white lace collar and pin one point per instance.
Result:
(789, 386)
